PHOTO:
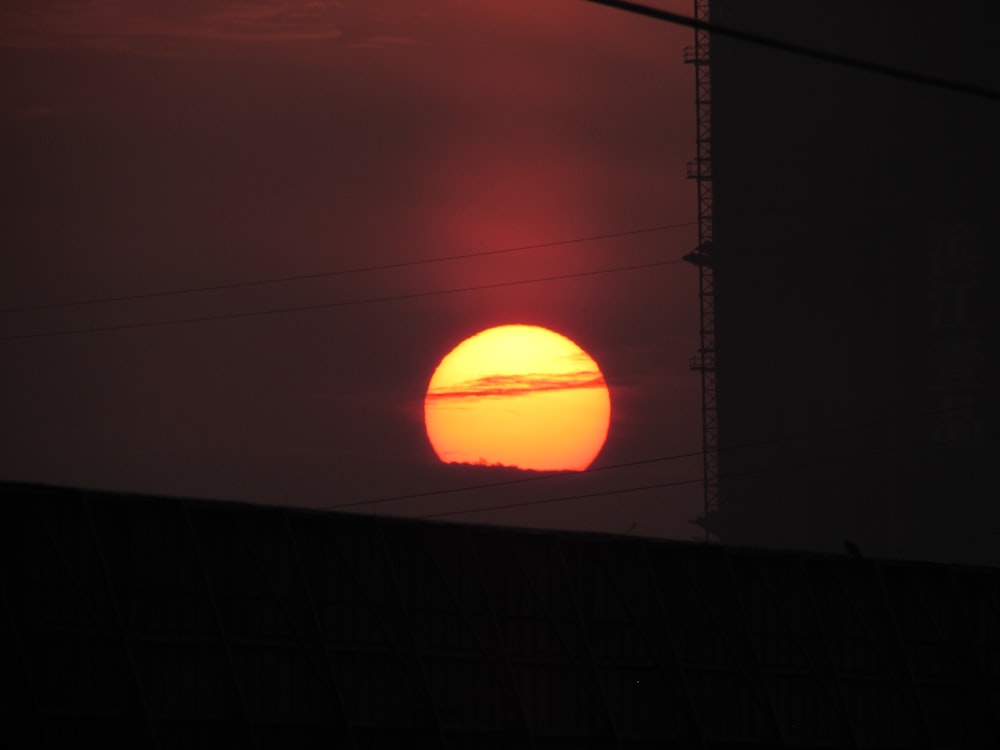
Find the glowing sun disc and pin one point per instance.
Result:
(518, 395)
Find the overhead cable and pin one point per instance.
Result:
(543, 476)
(342, 271)
(681, 482)
(801, 50)
(340, 303)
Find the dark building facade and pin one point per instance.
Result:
(855, 259)
(159, 622)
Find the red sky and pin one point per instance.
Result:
(153, 146)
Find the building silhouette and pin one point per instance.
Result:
(855, 264)
(164, 622)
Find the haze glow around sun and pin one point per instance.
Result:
(518, 395)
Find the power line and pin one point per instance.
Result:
(342, 303)
(547, 501)
(505, 483)
(348, 303)
(660, 459)
(800, 50)
(424, 261)
(343, 271)
(681, 482)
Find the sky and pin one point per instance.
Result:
(153, 147)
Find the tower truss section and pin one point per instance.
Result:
(700, 170)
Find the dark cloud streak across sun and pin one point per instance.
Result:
(492, 386)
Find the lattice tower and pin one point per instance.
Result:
(700, 170)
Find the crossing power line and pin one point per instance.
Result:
(801, 50)
(796, 437)
(697, 480)
(337, 304)
(343, 271)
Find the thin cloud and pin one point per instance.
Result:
(500, 386)
(383, 41)
(154, 27)
(31, 113)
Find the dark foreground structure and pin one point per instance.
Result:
(856, 278)
(154, 622)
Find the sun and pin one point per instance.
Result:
(518, 395)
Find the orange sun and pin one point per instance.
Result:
(519, 396)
